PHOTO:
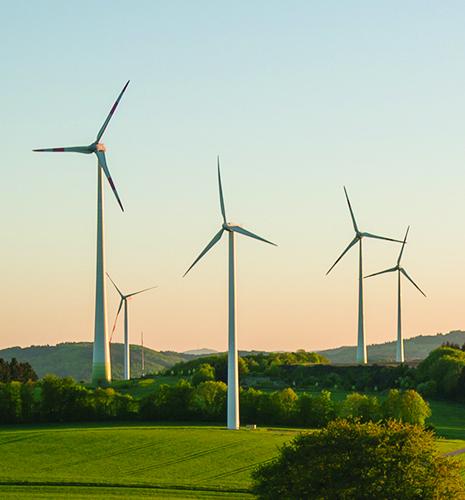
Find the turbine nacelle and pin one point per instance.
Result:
(358, 235)
(96, 147)
(226, 226)
(229, 226)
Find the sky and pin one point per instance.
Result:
(298, 98)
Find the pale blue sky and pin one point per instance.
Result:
(298, 98)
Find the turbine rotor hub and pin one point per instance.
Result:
(100, 147)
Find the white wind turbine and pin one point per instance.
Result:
(233, 369)
(124, 300)
(400, 270)
(361, 356)
(101, 363)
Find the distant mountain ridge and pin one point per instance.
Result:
(201, 352)
(75, 358)
(416, 348)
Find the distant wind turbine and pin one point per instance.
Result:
(124, 300)
(142, 353)
(400, 270)
(101, 363)
(233, 370)
(361, 356)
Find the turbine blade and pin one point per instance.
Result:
(404, 272)
(116, 319)
(391, 270)
(241, 230)
(371, 235)
(351, 211)
(140, 291)
(71, 149)
(112, 110)
(403, 245)
(102, 161)
(349, 246)
(213, 242)
(114, 284)
(223, 211)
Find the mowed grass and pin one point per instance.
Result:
(206, 460)
(10, 492)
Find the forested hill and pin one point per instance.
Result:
(416, 348)
(75, 359)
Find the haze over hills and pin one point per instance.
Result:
(201, 352)
(416, 348)
(75, 358)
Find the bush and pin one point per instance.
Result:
(428, 389)
(208, 400)
(204, 373)
(406, 406)
(168, 402)
(361, 407)
(10, 402)
(249, 405)
(315, 411)
(360, 461)
(444, 366)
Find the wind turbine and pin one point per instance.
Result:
(142, 353)
(361, 356)
(124, 300)
(400, 270)
(233, 370)
(101, 363)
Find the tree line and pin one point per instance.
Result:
(440, 375)
(55, 399)
(15, 370)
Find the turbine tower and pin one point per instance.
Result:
(101, 364)
(142, 353)
(233, 369)
(400, 270)
(124, 300)
(361, 356)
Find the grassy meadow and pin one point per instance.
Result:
(179, 461)
(152, 461)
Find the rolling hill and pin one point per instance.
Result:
(75, 359)
(416, 348)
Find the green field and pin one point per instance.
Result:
(145, 460)
(179, 461)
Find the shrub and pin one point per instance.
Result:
(208, 400)
(168, 402)
(406, 406)
(204, 373)
(361, 407)
(444, 366)
(315, 411)
(360, 461)
(10, 402)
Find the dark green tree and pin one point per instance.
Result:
(208, 400)
(203, 373)
(361, 461)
